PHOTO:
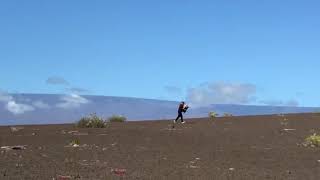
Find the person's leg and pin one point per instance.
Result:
(182, 118)
(177, 117)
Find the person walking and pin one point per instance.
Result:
(181, 109)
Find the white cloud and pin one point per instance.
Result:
(221, 93)
(72, 101)
(4, 97)
(16, 108)
(272, 102)
(12, 106)
(292, 103)
(55, 80)
(78, 90)
(41, 105)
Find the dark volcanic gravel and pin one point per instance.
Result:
(239, 148)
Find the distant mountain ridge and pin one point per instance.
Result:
(56, 109)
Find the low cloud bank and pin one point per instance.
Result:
(72, 101)
(221, 93)
(12, 106)
(18, 108)
(292, 103)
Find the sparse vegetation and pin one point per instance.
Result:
(284, 122)
(91, 121)
(75, 142)
(227, 115)
(313, 141)
(117, 118)
(212, 115)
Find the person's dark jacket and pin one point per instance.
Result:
(181, 107)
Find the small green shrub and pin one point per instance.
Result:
(284, 122)
(117, 118)
(75, 142)
(313, 141)
(227, 115)
(212, 115)
(91, 121)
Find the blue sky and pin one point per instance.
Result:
(246, 52)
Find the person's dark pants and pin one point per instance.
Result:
(179, 116)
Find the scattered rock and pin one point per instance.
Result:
(194, 167)
(289, 129)
(192, 164)
(16, 129)
(76, 145)
(4, 173)
(77, 133)
(18, 165)
(72, 132)
(119, 172)
(77, 177)
(318, 161)
(84, 164)
(44, 155)
(59, 177)
(33, 134)
(80, 134)
(172, 129)
(231, 169)
(19, 147)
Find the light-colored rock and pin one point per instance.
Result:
(59, 177)
(76, 145)
(194, 167)
(18, 147)
(16, 129)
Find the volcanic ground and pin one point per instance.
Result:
(229, 148)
